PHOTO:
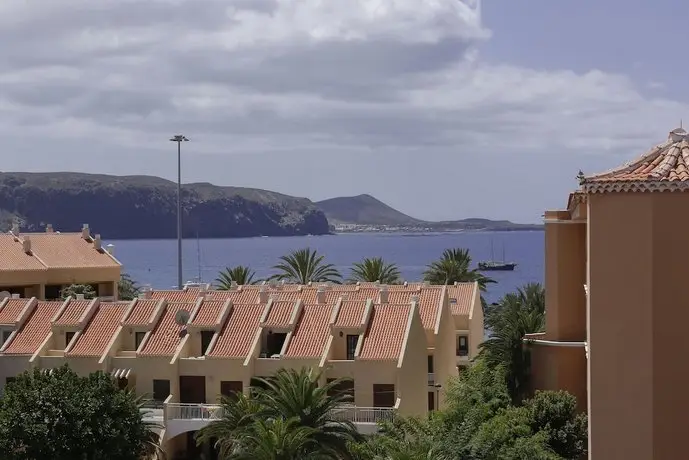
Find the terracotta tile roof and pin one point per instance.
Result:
(429, 302)
(35, 329)
(59, 250)
(165, 338)
(385, 332)
(461, 296)
(13, 257)
(208, 313)
(10, 312)
(665, 163)
(311, 333)
(238, 332)
(351, 314)
(280, 314)
(141, 313)
(363, 293)
(70, 316)
(176, 295)
(99, 331)
(246, 295)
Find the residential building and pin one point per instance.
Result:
(41, 264)
(186, 348)
(616, 304)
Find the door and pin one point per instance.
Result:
(431, 401)
(229, 388)
(384, 395)
(192, 389)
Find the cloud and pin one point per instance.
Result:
(337, 77)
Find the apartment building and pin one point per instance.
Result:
(616, 297)
(380, 338)
(41, 264)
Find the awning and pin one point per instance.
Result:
(121, 373)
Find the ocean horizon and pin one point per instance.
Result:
(154, 261)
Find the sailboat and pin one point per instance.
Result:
(494, 265)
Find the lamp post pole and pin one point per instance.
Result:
(179, 138)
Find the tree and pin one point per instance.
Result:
(514, 316)
(127, 289)
(73, 289)
(62, 416)
(241, 275)
(304, 266)
(249, 425)
(454, 267)
(375, 269)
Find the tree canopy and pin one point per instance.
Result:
(375, 269)
(304, 266)
(59, 415)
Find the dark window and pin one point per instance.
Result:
(161, 390)
(52, 291)
(384, 395)
(6, 336)
(206, 337)
(138, 338)
(431, 400)
(68, 337)
(122, 383)
(231, 388)
(274, 343)
(352, 341)
(462, 345)
(345, 387)
(257, 384)
(430, 364)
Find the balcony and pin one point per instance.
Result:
(180, 418)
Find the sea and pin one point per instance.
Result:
(154, 262)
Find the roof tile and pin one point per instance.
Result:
(429, 302)
(351, 314)
(13, 257)
(311, 332)
(99, 331)
(385, 332)
(141, 313)
(238, 332)
(461, 296)
(11, 310)
(70, 316)
(208, 313)
(61, 250)
(280, 314)
(165, 337)
(175, 295)
(35, 330)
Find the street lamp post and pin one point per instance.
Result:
(179, 138)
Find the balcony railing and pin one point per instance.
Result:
(181, 411)
(431, 378)
(210, 412)
(364, 414)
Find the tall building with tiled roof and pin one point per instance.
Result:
(41, 264)
(380, 337)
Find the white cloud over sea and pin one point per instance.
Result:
(312, 97)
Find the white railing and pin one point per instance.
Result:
(363, 414)
(181, 411)
(431, 378)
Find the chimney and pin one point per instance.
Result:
(263, 295)
(97, 243)
(320, 295)
(49, 228)
(233, 285)
(111, 249)
(414, 299)
(27, 244)
(146, 291)
(383, 294)
(272, 283)
(16, 296)
(85, 233)
(15, 228)
(80, 297)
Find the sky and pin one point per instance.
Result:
(444, 109)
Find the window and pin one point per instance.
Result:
(384, 395)
(343, 387)
(6, 336)
(274, 343)
(430, 364)
(462, 345)
(206, 337)
(68, 337)
(231, 388)
(352, 341)
(161, 390)
(52, 291)
(138, 338)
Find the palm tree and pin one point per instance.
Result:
(454, 267)
(514, 316)
(375, 269)
(241, 274)
(297, 394)
(238, 414)
(304, 266)
(278, 439)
